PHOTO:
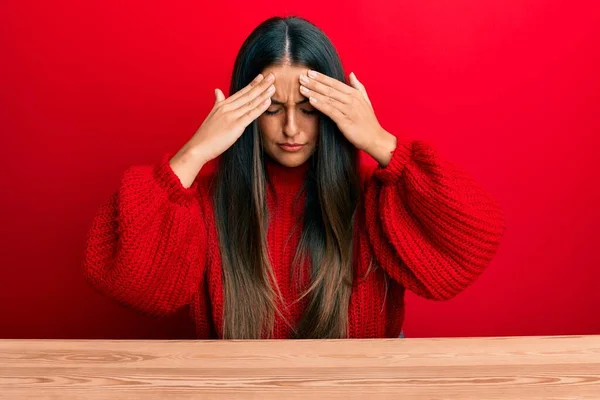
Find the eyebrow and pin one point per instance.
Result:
(279, 103)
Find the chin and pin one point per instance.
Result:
(291, 160)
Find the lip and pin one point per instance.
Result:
(291, 147)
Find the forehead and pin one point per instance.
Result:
(286, 73)
(287, 84)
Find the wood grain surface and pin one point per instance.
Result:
(565, 367)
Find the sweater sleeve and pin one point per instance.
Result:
(430, 226)
(145, 246)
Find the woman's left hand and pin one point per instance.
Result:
(350, 108)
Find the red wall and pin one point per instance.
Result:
(509, 89)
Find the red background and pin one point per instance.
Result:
(509, 89)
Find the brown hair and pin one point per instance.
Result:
(332, 195)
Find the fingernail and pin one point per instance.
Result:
(271, 77)
(304, 79)
(313, 100)
(312, 74)
(303, 89)
(271, 89)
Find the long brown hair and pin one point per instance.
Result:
(332, 195)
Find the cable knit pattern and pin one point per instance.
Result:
(423, 225)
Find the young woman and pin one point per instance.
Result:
(292, 237)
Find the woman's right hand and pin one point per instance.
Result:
(222, 127)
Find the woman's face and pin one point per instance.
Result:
(289, 120)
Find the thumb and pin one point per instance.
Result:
(219, 95)
(361, 88)
(353, 80)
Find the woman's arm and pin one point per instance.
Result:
(146, 247)
(430, 225)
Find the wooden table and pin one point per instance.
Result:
(466, 368)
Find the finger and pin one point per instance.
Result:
(252, 104)
(252, 94)
(219, 96)
(254, 113)
(247, 88)
(316, 100)
(361, 88)
(323, 99)
(325, 90)
(329, 81)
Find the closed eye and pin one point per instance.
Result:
(307, 112)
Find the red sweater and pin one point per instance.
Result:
(153, 246)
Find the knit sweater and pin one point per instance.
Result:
(429, 227)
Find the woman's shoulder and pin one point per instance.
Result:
(205, 180)
(207, 174)
(366, 167)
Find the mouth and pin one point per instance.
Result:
(291, 147)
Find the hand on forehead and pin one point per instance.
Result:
(287, 82)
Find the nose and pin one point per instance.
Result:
(291, 127)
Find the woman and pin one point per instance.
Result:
(292, 237)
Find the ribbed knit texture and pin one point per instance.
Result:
(425, 224)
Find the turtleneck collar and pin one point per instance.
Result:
(280, 175)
